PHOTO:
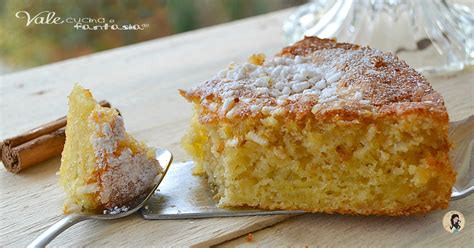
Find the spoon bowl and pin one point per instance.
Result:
(163, 156)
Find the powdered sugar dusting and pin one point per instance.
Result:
(105, 139)
(311, 76)
(281, 78)
(280, 81)
(116, 210)
(123, 175)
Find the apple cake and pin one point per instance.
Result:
(102, 167)
(322, 127)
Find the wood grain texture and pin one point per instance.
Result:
(142, 81)
(316, 230)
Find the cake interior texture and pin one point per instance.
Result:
(392, 166)
(102, 167)
(351, 151)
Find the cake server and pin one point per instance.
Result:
(184, 196)
(163, 156)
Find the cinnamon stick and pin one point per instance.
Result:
(36, 145)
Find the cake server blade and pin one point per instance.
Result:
(184, 196)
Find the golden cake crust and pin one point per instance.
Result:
(371, 84)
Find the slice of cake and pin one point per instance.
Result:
(102, 167)
(323, 127)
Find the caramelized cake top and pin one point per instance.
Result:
(319, 77)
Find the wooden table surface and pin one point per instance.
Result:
(142, 81)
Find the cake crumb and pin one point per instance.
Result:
(198, 171)
(257, 59)
(249, 237)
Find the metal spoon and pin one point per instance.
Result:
(163, 156)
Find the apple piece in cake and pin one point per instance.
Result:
(323, 127)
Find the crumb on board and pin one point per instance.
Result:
(250, 237)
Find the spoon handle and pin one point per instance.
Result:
(54, 230)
